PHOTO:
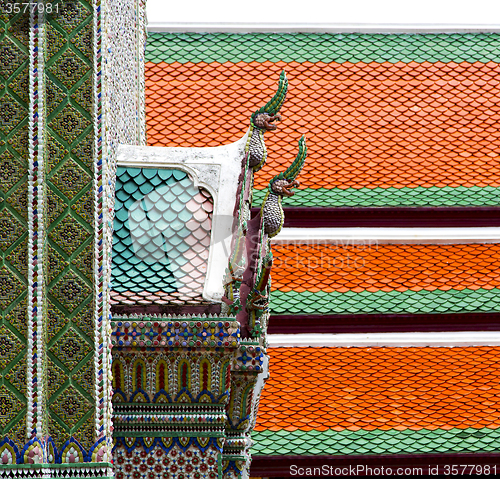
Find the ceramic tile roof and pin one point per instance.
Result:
(379, 400)
(416, 128)
(392, 302)
(330, 442)
(420, 196)
(369, 279)
(391, 120)
(161, 237)
(385, 267)
(315, 47)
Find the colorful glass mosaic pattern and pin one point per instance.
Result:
(144, 332)
(52, 346)
(70, 211)
(391, 120)
(14, 107)
(181, 461)
(379, 401)
(394, 278)
(161, 239)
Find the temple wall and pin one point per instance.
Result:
(66, 104)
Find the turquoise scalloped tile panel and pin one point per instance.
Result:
(150, 229)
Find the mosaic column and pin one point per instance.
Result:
(247, 288)
(61, 64)
(15, 126)
(171, 385)
(247, 377)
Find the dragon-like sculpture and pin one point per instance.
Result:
(258, 298)
(262, 121)
(281, 185)
(234, 272)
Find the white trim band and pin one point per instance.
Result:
(346, 236)
(434, 339)
(318, 28)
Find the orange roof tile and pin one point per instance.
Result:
(368, 125)
(381, 388)
(375, 267)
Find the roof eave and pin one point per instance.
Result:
(228, 27)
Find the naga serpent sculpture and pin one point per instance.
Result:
(281, 185)
(263, 120)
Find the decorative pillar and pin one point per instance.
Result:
(246, 376)
(65, 105)
(187, 381)
(247, 285)
(171, 386)
(17, 120)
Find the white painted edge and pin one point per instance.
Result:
(374, 236)
(259, 386)
(319, 28)
(215, 168)
(433, 339)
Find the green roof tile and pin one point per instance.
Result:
(302, 47)
(282, 443)
(433, 196)
(451, 301)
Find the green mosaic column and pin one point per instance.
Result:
(14, 123)
(70, 214)
(61, 71)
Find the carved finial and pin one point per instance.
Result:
(263, 120)
(281, 185)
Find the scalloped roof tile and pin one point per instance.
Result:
(394, 278)
(415, 125)
(385, 267)
(316, 47)
(381, 302)
(161, 237)
(379, 401)
(331, 442)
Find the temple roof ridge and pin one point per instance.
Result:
(244, 27)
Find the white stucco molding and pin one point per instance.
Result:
(217, 169)
(319, 28)
(345, 340)
(346, 236)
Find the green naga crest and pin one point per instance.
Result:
(262, 121)
(273, 106)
